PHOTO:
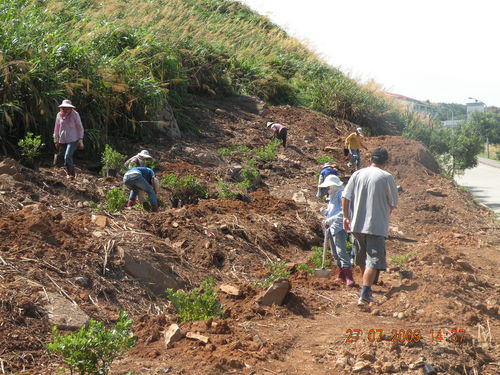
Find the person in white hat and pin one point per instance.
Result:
(138, 160)
(334, 230)
(354, 143)
(279, 131)
(326, 170)
(68, 131)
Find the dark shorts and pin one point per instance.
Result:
(371, 252)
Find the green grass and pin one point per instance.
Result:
(118, 61)
(400, 260)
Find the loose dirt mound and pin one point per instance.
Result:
(50, 244)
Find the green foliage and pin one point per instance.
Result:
(31, 146)
(486, 126)
(305, 268)
(269, 151)
(224, 191)
(317, 257)
(185, 189)
(198, 304)
(93, 348)
(400, 260)
(153, 164)
(112, 159)
(115, 200)
(324, 159)
(250, 175)
(276, 271)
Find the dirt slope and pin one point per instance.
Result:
(50, 245)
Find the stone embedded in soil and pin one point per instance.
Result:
(230, 289)
(99, 220)
(197, 336)
(63, 313)
(172, 334)
(388, 367)
(359, 366)
(276, 293)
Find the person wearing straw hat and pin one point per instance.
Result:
(138, 160)
(279, 131)
(326, 170)
(334, 230)
(354, 143)
(68, 131)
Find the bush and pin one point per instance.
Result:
(277, 271)
(93, 348)
(199, 304)
(224, 191)
(269, 151)
(317, 257)
(186, 189)
(112, 160)
(115, 199)
(402, 259)
(250, 176)
(31, 146)
(305, 268)
(153, 164)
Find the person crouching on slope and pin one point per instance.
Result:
(142, 178)
(279, 131)
(334, 230)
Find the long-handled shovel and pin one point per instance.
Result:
(322, 272)
(56, 154)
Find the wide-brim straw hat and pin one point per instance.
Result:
(145, 154)
(66, 103)
(331, 180)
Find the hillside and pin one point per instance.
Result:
(52, 254)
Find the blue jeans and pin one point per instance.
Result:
(355, 157)
(136, 182)
(68, 154)
(338, 248)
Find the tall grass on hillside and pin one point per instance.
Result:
(118, 61)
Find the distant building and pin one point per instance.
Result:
(451, 123)
(413, 105)
(477, 106)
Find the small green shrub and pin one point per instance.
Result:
(402, 259)
(31, 146)
(93, 348)
(250, 175)
(186, 189)
(153, 164)
(276, 271)
(324, 159)
(115, 199)
(317, 257)
(269, 151)
(199, 304)
(112, 159)
(224, 191)
(305, 268)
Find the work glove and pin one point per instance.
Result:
(80, 144)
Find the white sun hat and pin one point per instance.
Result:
(359, 130)
(66, 103)
(145, 154)
(269, 123)
(331, 180)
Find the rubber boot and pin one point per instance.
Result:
(130, 203)
(70, 171)
(349, 281)
(340, 275)
(154, 208)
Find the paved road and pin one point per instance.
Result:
(483, 182)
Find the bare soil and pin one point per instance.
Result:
(48, 241)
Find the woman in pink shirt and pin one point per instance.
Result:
(68, 131)
(279, 131)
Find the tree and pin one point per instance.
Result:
(487, 126)
(464, 144)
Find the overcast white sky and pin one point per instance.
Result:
(437, 50)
